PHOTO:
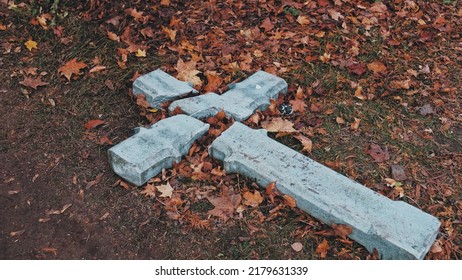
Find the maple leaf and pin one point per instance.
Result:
(213, 81)
(252, 199)
(187, 72)
(225, 205)
(303, 20)
(289, 201)
(165, 190)
(306, 142)
(171, 33)
(377, 153)
(322, 248)
(342, 230)
(71, 67)
(140, 53)
(298, 105)
(33, 83)
(377, 67)
(30, 44)
(279, 125)
(149, 190)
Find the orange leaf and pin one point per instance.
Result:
(213, 81)
(279, 125)
(290, 201)
(252, 199)
(97, 68)
(267, 24)
(113, 36)
(93, 124)
(306, 142)
(298, 105)
(322, 248)
(377, 67)
(271, 191)
(303, 20)
(71, 67)
(342, 230)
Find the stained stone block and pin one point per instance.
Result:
(160, 87)
(145, 154)
(397, 229)
(240, 102)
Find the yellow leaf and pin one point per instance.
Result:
(30, 45)
(141, 53)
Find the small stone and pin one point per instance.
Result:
(426, 109)
(398, 173)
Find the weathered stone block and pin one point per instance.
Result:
(397, 229)
(160, 87)
(240, 102)
(145, 154)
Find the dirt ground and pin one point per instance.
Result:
(59, 198)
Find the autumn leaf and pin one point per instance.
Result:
(279, 125)
(97, 68)
(298, 105)
(377, 153)
(33, 82)
(30, 44)
(165, 190)
(335, 15)
(400, 84)
(252, 199)
(187, 72)
(93, 124)
(165, 2)
(355, 125)
(149, 190)
(267, 24)
(377, 67)
(290, 201)
(306, 142)
(213, 81)
(342, 230)
(17, 233)
(271, 191)
(113, 36)
(303, 20)
(225, 205)
(322, 248)
(170, 33)
(140, 53)
(71, 67)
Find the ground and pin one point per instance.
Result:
(372, 86)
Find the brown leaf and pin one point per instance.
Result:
(377, 153)
(149, 190)
(335, 15)
(400, 84)
(252, 199)
(171, 33)
(71, 67)
(225, 205)
(267, 24)
(164, 2)
(33, 82)
(298, 105)
(113, 36)
(279, 125)
(322, 248)
(290, 201)
(306, 142)
(17, 233)
(377, 67)
(187, 72)
(271, 191)
(213, 81)
(355, 125)
(94, 182)
(97, 68)
(93, 124)
(303, 20)
(342, 230)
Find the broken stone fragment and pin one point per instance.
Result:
(239, 102)
(145, 154)
(396, 229)
(160, 87)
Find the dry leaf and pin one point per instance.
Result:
(225, 205)
(322, 248)
(306, 142)
(377, 153)
(342, 230)
(297, 246)
(30, 44)
(171, 33)
(33, 82)
(165, 190)
(71, 67)
(290, 201)
(17, 233)
(271, 191)
(279, 125)
(298, 105)
(187, 72)
(303, 20)
(267, 24)
(149, 190)
(355, 125)
(213, 81)
(335, 15)
(377, 67)
(97, 68)
(93, 124)
(164, 2)
(252, 199)
(113, 36)
(140, 53)
(54, 251)
(404, 84)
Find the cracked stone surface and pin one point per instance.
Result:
(240, 102)
(149, 150)
(160, 87)
(397, 229)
